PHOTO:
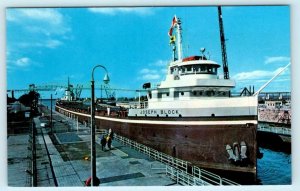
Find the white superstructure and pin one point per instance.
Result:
(192, 88)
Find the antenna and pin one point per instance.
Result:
(265, 85)
(202, 50)
(223, 45)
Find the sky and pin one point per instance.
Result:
(47, 45)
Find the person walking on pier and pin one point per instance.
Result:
(103, 142)
(89, 181)
(108, 140)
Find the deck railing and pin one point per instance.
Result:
(138, 105)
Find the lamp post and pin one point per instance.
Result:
(93, 143)
(51, 123)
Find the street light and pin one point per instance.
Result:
(93, 143)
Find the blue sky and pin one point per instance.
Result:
(45, 46)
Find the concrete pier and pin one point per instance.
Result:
(65, 161)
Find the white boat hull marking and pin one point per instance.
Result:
(237, 122)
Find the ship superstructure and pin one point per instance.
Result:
(193, 88)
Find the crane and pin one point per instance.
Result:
(223, 45)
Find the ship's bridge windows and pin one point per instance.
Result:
(209, 69)
(188, 68)
(159, 95)
(214, 70)
(209, 93)
(174, 70)
(171, 70)
(197, 69)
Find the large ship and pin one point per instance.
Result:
(191, 115)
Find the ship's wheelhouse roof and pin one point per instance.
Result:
(194, 60)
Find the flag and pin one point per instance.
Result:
(172, 39)
(174, 21)
(170, 31)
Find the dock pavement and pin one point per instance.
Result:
(63, 158)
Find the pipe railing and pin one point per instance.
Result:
(277, 130)
(176, 169)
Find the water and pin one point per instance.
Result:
(47, 102)
(273, 169)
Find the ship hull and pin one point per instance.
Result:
(201, 142)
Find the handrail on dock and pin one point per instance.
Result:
(176, 169)
(276, 130)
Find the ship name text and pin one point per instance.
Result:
(160, 111)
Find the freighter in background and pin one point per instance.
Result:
(191, 115)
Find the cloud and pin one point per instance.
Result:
(48, 44)
(23, 62)
(51, 16)
(149, 74)
(42, 21)
(270, 60)
(34, 30)
(125, 10)
(151, 77)
(257, 74)
(160, 63)
(155, 71)
(53, 43)
(146, 71)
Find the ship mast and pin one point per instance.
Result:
(223, 45)
(176, 23)
(179, 37)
